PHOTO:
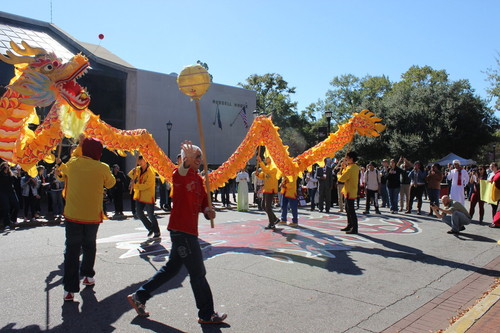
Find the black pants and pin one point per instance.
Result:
(9, 207)
(118, 201)
(224, 193)
(267, 205)
(369, 195)
(325, 196)
(185, 252)
(79, 237)
(352, 218)
(416, 192)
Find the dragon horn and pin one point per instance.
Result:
(25, 52)
(28, 50)
(14, 59)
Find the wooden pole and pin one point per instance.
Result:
(135, 172)
(204, 155)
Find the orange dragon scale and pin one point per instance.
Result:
(42, 79)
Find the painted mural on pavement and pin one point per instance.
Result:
(316, 237)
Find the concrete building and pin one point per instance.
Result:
(130, 98)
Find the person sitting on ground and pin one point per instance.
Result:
(453, 214)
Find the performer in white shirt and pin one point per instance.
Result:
(459, 178)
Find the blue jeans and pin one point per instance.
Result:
(185, 251)
(150, 224)
(57, 202)
(384, 194)
(393, 198)
(456, 220)
(312, 193)
(79, 237)
(293, 205)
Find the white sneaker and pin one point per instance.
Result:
(68, 297)
(88, 281)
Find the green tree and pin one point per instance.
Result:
(428, 116)
(204, 65)
(350, 94)
(494, 79)
(273, 96)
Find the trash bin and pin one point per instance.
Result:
(444, 190)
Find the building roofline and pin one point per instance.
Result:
(104, 57)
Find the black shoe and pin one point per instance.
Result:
(462, 228)
(452, 232)
(378, 211)
(150, 233)
(345, 229)
(270, 226)
(352, 232)
(214, 319)
(139, 307)
(366, 212)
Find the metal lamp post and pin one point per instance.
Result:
(328, 115)
(169, 127)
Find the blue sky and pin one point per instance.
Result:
(307, 42)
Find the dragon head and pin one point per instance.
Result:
(366, 124)
(43, 77)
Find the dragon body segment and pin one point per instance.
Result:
(42, 79)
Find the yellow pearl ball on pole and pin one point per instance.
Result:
(194, 81)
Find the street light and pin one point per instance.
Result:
(328, 115)
(169, 127)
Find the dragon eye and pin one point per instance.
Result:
(48, 67)
(55, 63)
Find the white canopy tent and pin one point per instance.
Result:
(450, 157)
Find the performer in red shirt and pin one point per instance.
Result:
(189, 199)
(496, 194)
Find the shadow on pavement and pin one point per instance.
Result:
(473, 237)
(413, 254)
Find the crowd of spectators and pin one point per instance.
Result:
(399, 185)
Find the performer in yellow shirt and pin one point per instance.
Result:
(349, 175)
(269, 174)
(289, 191)
(85, 178)
(143, 182)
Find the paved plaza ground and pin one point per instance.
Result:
(400, 272)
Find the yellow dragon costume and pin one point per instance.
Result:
(42, 79)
